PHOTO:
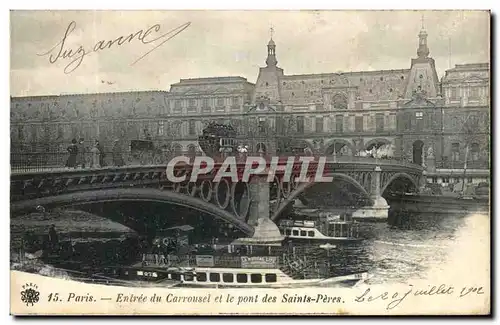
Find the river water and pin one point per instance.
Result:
(391, 254)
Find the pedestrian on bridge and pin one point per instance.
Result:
(81, 153)
(53, 238)
(117, 155)
(101, 153)
(308, 151)
(95, 162)
(73, 152)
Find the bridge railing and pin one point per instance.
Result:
(375, 161)
(54, 160)
(41, 160)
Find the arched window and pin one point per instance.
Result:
(261, 148)
(455, 151)
(177, 149)
(474, 151)
(191, 150)
(340, 101)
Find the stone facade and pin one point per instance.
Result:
(345, 112)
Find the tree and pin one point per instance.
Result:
(473, 132)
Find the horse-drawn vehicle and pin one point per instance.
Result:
(218, 138)
(144, 152)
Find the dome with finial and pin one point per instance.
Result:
(271, 43)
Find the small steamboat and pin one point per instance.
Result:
(313, 226)
(236, 265)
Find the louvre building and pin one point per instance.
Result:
(422, 115)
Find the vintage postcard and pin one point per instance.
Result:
(250, 162)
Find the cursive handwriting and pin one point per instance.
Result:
(397, 297)
(76, 55)
(471, 290)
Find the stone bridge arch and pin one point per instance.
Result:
(377, 142)
(302, 187)
(335, 145)
(94, 197)
(389, 179)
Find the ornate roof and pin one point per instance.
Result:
(370, 85)
(211, 86)
(478, 72)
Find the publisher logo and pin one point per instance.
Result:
(30, 294)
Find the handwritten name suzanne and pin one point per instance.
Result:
(396, 298)
(76, 55)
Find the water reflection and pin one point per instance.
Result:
(391, 253)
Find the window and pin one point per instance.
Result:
(339, 122)
(235, 102)
(205, 102)
(60, 132)
(474, 151)
(270, 277)
(407, 118)
(220, 102)
(455, 151)
(358, 123)
(419, 117)
(295, 232)
(178, 105)
(241, 278)
(191, 149)
(288, 232)
(474, 120)
(262, 125)
(319, 124)
(303, 233)
(446, 180)
(201, 277)
(434, 180)
(192, 127)
(192, 102)
(454, 93)
(161, 128)
(474, 93)
(300, 124)
(256, 278)
(188, 277)
(227, 277)
(379, 122)
(20, 133)
(310, 233)
(176, 276)
(214, 277)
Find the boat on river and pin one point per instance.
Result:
(314, 226)
(226, 277)
(236, 265)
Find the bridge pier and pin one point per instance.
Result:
(266, 231)
(379, 210)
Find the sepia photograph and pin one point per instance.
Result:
(204, 162)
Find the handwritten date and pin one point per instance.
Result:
(394, 299)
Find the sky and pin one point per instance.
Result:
(226, 43)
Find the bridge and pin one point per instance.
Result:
(118, 192)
